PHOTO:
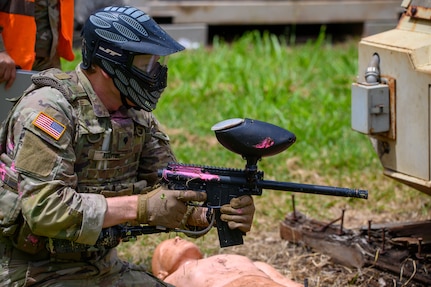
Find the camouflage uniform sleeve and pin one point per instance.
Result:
(157, 152)
(41, 135)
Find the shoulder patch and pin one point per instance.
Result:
(49, 125)
(62, 76)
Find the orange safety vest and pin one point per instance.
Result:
(19, 30)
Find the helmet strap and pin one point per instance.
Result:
(125, 103)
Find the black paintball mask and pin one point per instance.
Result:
(132, 48)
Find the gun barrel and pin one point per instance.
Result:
(255, 187)
(314, 189)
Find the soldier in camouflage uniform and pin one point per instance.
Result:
(79, 155)
(52, 38)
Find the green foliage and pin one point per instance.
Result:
(69, 66)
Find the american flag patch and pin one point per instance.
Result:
(49, 125)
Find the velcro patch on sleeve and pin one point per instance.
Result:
(49, 125)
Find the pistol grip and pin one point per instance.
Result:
(227, 237)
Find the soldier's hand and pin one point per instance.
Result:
(198, 217)
(7, 69)
(239, 213)
(165, 207)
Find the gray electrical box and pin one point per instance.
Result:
(370, 108)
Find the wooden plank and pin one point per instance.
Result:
(272, 12)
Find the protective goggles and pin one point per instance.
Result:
(148, 64)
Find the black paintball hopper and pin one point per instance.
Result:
(252, 138)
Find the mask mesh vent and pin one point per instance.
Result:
(121, 77)
(133, 95)
(99, 22)
(108, 67)
(107, 16)
(109, 36)
(126, 32)
(135, 24)
(155, 95)
(120, 86)
(136, 86)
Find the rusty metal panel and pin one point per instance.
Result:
(405, 55)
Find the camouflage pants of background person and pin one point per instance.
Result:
(47, 17)
(46, 63)
(16, 269)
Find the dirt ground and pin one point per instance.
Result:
(310, 267)
(299, 262)
(315, 268)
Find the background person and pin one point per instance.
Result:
(34, 35)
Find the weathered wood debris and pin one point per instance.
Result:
(403, 249)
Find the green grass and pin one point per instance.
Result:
(304, 88)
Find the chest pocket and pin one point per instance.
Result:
(108, 149)
(124, 133)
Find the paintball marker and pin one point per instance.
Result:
(253, 140)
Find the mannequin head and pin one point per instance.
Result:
(171, 254)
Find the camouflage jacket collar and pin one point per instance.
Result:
(99, 109)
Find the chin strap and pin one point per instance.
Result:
(124, 101)
(126, 104)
